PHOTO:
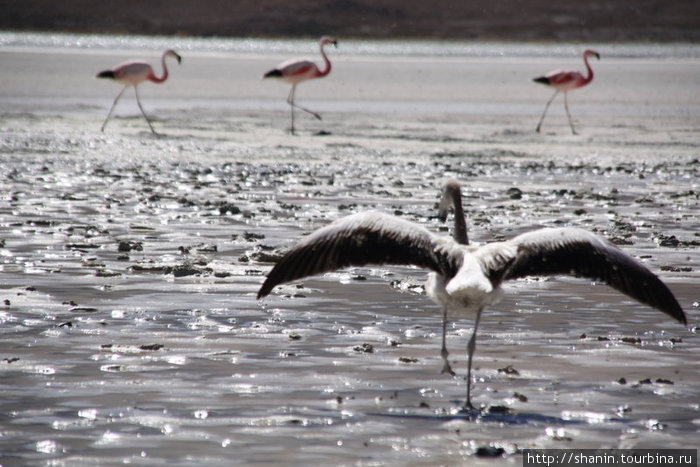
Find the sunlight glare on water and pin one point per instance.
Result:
(130, 328)
(406, 48)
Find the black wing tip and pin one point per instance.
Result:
(106, 74)
(677, 313)
(683, 319)
(541, 79)
(273, 74)
(655, 293)
(265, 289)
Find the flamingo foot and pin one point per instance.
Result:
(446, 368)
(468, 411)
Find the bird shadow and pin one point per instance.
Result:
(501, 415)
(151, 135)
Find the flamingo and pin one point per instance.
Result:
(296, 71)
(566, 80)
(465, 279)
(132, 74)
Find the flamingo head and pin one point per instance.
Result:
(172, 53)
(591, 53)
(450, 191)
(325, 40)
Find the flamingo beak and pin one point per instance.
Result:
(179, 59)
(444, 205)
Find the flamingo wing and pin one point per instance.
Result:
(133, 72)
(361, 239)
(293, 68)
(561, 78)
(578, 253)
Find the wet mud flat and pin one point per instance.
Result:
(130, 331)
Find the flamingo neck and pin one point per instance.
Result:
(327, 69)
(588, 78)
(460, 232)
(164, 76)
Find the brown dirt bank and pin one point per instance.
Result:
(641, 20)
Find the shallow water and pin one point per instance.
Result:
(160, 354)
(394, 48)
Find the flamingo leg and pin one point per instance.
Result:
(114, 104)
(545, 110)
(446, 368)
(138, 101)
(471, 346)
(566, 106)
(308, 111)
(290, 101)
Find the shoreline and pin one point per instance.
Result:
(415, 47)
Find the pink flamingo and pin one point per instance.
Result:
(133, 74)
(298, 70)
(566, 80)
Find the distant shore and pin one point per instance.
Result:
(643, 20)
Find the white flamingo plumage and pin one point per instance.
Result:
(465, 279)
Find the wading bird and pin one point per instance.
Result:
(296, 71)
(465, 279)
(564, 81)
(133, 74)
